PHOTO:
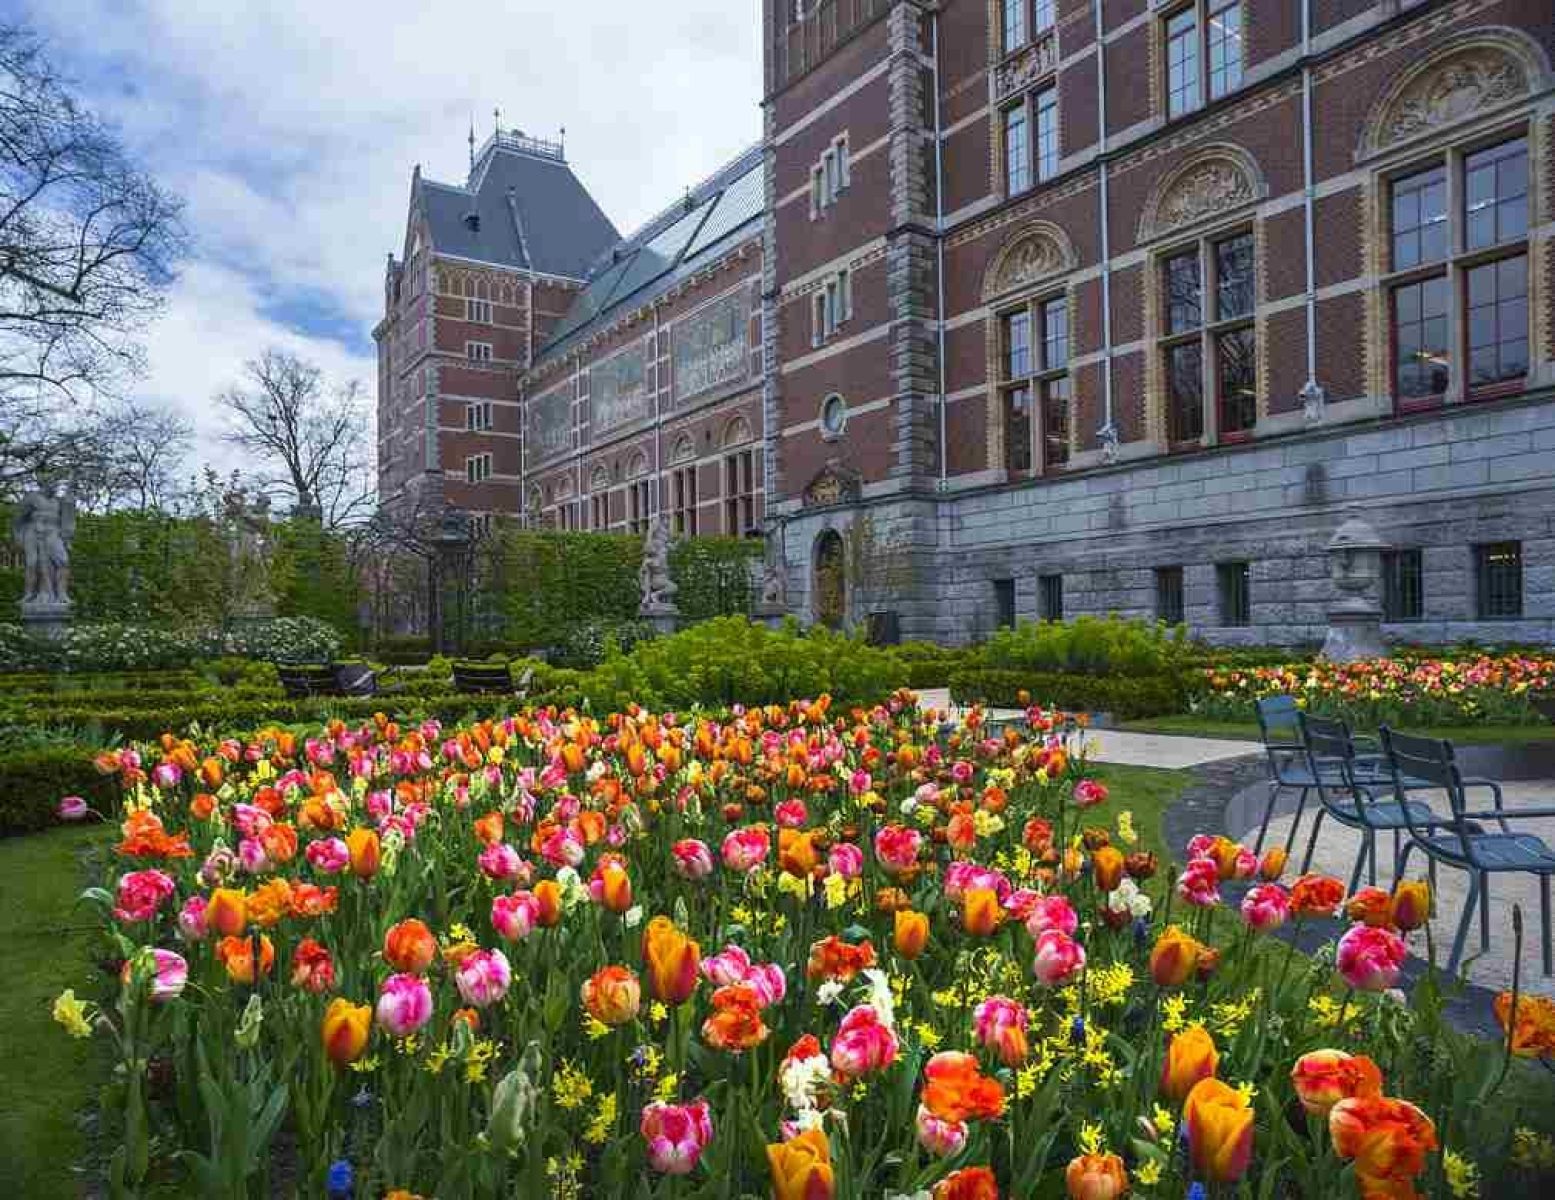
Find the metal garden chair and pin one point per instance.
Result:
(1347, 787)
(1463, 841)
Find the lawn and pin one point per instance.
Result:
(45, 946)
(1189, 725)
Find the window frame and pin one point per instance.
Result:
(478, 416)
(478, 311)
(1170, 584)
(1037, 168)
(1203, 41)
(1209, 335)
(683, 500)
(1485, 601)
(1050, 596)
(477, 467)
(1004, 603)
(1234, 594)
(1039, 380)
(739, 480)
(1401, 586)
(479, 352)
(1456, 266)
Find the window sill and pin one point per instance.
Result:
(1498, 391)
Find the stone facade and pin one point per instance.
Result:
(938, 507)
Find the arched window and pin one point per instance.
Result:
(638, 493)
(830, 585)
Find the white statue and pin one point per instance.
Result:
(653, 577)
(43, 525)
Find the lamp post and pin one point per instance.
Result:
(450, 547)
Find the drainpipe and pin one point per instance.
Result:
(1108, 430)
(1311, 391)
(939, 247)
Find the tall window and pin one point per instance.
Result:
(599, 510)
(1050, 597)
(1403, 590)
(1043, 14)
(477, 468)
(478, 351)
(1203, 43)
(1168, 595)
(1235, 588)
(637, 506)
(1016, 31)
(478, 311)
(740, 493)
(833, 306)
(477, 416)
(1211, 356)
(1035, 360)
(684, 494)
(1031, 139)
(1004, 603)
(1458, 289)
(1499, 580)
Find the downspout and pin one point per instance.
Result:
(1311, 393)
(1108, 431)
(939, 248)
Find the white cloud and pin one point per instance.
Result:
(291, 128)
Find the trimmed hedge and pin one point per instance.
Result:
(32, 780)
(1126, 698)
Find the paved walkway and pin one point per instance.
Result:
(1335, 854)
(1119, 746)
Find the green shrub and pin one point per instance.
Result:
(33, 778)
(1125, 698)
(585, 645)
(1088, 646)
(713, 575)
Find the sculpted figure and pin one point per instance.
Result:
(44, 523)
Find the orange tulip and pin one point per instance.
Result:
(1388, 1139)
(1322, 1078)
(1220, 1131)
(549, 895)
(237, 955)
(1107, 864)
(1272, 866)
(1096, 1177)
(270, 902)
(612, 995)
(488, 829)
(1190, 1057)
(365, 851)
(409, 946)
(910, 932)
(735, 1023)
(969, 1183)
(1411, 904)
(955, 1090)
(1316, 895)
(672, 959)
(801, 1167)
(346, 1028)
(981, 913)
(1533, 1034)
(615, 887)
(1370, 906)
(1175, 957)
(796, 852)
(226, 913)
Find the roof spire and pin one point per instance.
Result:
(496, 120)
(472, 143)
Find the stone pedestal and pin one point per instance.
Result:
(45, 618)
(1355, 566)
(664, 618)
(770, 615)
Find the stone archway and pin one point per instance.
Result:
(830, 580)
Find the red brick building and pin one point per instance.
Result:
(1040, 307)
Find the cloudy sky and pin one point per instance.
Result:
(290, 127)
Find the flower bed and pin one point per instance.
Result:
(798, 951)
(1487, 689)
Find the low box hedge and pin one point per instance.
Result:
(1126, 698)
(32, 780)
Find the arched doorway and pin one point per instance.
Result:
(831, 584)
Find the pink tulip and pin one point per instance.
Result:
(1059, 958)
(483, 978)
(676, 1134)
(938, 1136)
(732, 966)
(1266, 907)
(329, 856)
(514, 917)
(845, 859)
(72, 808)
(169, 972)
(791, 814)
(1089, 792)
(191, 919)
(1199, 883)
(404, 1004)
(1000, 1025)
(501, 862)
(693, 860)
(864, 1043)
(745, 849)
(1370, 958)
(961, 877)
(1052, 912)
(141, 894)
(897, 847)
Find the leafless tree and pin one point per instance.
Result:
(87, 242)
(309, 443)
(143, 446)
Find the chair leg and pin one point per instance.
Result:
(1371, 855)
(1295, 823)
(1463, 924)
(1368, 847)
(1484, 910)
(1398, 854)
(1317, 823)
(1432, 874)
(1544, 922)
(1268, 811)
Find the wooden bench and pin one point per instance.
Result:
(301, 680)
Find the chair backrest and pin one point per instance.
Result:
(482, 677)
(1330, 754)
(1279, 722)
(356, 679)
(1413, 761)
(306, 679)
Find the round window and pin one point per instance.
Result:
(834, 415)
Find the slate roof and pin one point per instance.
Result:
(713, 217)
(532, 212)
